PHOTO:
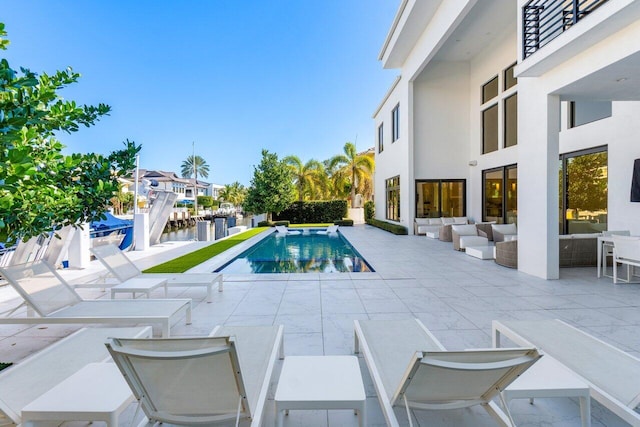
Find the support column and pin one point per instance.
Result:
(538, 153)
(78, 252)
(141, 231)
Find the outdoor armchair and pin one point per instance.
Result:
(502, 232)
(626, 251)
(464, 236)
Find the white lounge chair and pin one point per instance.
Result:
(411, 369)
(121, 267)
(284, 231)
(202, 381)
(626, 251)
(332, 229)
(48, 294)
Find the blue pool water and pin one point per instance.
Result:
(305, 253)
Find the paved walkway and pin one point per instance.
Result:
(455, 295)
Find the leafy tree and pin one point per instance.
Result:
(201, 167)
(352, 168)
(41, 189)
(271, 186)
(309, 178)
(205, 201)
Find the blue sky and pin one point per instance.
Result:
(297, 77)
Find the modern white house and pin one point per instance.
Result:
(522, 111)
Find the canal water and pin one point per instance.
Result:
(190, 233)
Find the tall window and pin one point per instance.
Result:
(395, 123)
(490, 129)
(511, 120)
(498, 103)
(500, 195)
(437, 198)
(583, 191)
(583, 112)
(381, 138)
(392, 186)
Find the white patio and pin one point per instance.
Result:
(454, 295)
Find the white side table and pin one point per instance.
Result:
(433, 234)
(550, 378)
(140, 285)
(481, 252)
(97, 392)
(320, 382)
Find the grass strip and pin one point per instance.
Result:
(5, 365)
(190, 260)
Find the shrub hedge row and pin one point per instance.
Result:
(387, 226)
(314, 212)
(369, 210)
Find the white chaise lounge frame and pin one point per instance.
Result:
(48, 295)
(224, 377)
(25, 381)
(123, 269)
(414, 360)
(612, 374)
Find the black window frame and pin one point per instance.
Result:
(506, 79)
(440, 182)
(395, 123)
(484, 142)
(504, 121)
(484, 100)
(392, 185)
(505, 178)
(381, 138)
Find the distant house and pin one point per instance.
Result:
(170, 181)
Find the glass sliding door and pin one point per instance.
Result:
(500, 188)
(584, 191)
(437, 198)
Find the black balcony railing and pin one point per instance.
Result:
(544, 20)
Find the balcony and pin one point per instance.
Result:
(544, 20)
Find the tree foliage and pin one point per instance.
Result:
(233, 193)
(352, 169)
(310, 178)
(201, 167)
(271, 186)
(40, 188)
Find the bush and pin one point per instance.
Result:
(390, 227)
(285, 223)
(265, 224)
(314, 212)
(344, 222)
(369, 210)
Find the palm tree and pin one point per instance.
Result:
(201, 167)
(308, 178)
(233, 193)
(351, 167)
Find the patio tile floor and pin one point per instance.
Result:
(455, 295)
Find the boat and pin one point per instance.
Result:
(112, 230)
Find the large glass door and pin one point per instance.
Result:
(583, 191)
(438, 198)
(500, 195)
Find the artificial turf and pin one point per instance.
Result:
(190, 260)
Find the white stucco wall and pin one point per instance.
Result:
(395, 158)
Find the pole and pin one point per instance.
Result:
(135, 187)
(195, 181)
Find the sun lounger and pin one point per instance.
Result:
(331, 230)
(613, 375)
(121, 267)
(411, 369)
(54, 301)
(25, 381)
(225, 376)
(284, 231)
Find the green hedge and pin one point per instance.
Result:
(314, 212)
(369, 210)
(390, 227)
(272, 223)
(344, 222)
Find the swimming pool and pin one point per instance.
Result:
(308, 252)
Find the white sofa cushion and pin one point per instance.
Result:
(435, 221)
(469, 241)
(465, 229)
(460, 220)
(422, 221)
(447, 220)
(505, 228)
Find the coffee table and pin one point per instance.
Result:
(550, 378)
(320, 382)
(140, 285)
(97, 392)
